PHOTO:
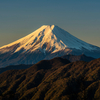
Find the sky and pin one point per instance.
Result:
(80, 18)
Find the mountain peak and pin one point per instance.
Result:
(49, 26)
(48, 38)
(46, 42)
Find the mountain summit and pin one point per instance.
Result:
(47, 38)
(45, 43)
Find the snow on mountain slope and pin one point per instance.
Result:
(47, 42)
(48, 38)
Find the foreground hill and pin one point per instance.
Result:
(55, 79)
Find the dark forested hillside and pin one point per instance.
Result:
(55, 79)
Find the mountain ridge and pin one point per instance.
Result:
(71, 58)
(74, 58)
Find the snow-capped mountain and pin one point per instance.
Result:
(45, 43)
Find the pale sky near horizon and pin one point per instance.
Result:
(80, 18)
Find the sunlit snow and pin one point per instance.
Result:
(51, 34)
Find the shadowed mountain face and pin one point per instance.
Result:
(74, 58)
(55, 79)
(47, 42)
(11, 67)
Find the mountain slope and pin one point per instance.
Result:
(21, 66)
(47, 37)
(71, 58)
(74, 58)
(47, 42)
(55, 79)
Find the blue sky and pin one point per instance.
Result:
(19, 18)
